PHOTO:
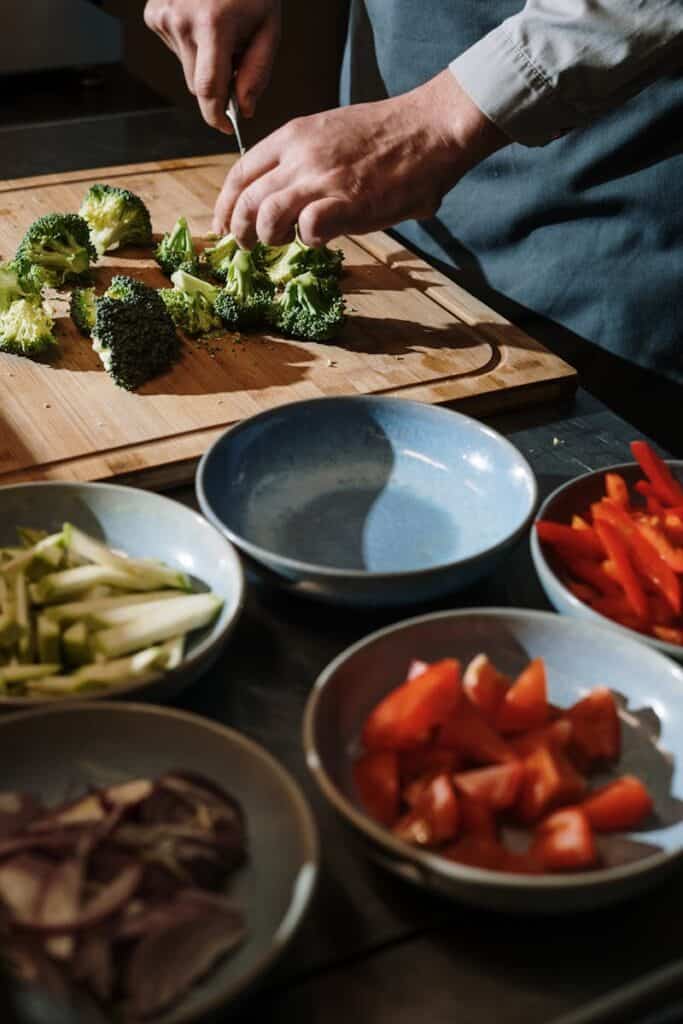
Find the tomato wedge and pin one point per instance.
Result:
(621, 804)
(476, 819)
(596, 735)
(426, 761)
(666, 486)
(485, 686)
(556, 736)
(564, 841)
(525, 704)
(435, 815)
(406, 717)
(376, 779)
(495, 787)
(549, 779)
(468, 732)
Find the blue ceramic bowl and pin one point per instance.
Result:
(579, 656)
(367, 500)
(576, 496)
(144, 525)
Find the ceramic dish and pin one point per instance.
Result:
(578, 657)
(80, 745)
(367, 500)
(144, 525)
(576, 496)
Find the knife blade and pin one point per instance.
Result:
(233, 112)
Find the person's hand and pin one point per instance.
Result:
(210, 37)
(356, 169)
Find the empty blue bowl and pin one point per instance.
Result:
(367, 500)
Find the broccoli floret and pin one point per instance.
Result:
(283, 262)
(26, 328)
(176, 250)
(190, 303)
(115, 217)
(245, 300)
(217, 258)
(82, 309)
(13, 287)
(56, 249)
(309, 308)
(129, 289)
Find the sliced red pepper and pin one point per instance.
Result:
(406, 716)
(525, 705)
(496, 787)
(618, 553)
(416, 668)
(667, 488)
(376, 779)
(583, 543)
(435, 816)
(592, 573)
(564, 841)
(673, 556)
(669, 634)
(485, 685)
(621, 804)
(579, 523)
(673, 528)
(581, 591)
(616, 489)
(646, 557)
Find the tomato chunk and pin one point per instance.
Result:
(549, 779)
(564, 841)
(476, 819)
(376, 779)
(426, 761)
(478, 852)
(596, 735)
(556, 735)
(525, 705)
(621, 804)
(405, 717)
(468, 732)
(485, 685)
(496, 787)
(435, 816)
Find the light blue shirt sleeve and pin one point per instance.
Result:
(560, 64)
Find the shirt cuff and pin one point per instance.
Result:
(499, 76)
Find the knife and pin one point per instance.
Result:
(233, 112)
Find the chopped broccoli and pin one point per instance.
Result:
(133, 335)
(56, 249)
(245, 300)
(26, 328)
(176, 250)
(283, 262)
(217, 258)
(12, 286)
(115, 217)
(82, 309)
(309, 308)
(190, 303)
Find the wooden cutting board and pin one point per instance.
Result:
(411, 332)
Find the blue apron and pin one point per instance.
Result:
(586, 232)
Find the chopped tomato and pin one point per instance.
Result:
(426, 761)
(564, 841)
(666, 486)
(525, 705)
(596, 735)
(496, 787)
(485, 685)
(583, 543)
(476, 818)
(616, 488)
(468, 732)
(621, 804)
(406, 717)
(549, 780)
(556, 735)
(618, 553)
(376, 779)
(478, 852)
(434, 817)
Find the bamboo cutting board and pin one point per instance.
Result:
(411, 332)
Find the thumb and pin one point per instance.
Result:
(256, 64)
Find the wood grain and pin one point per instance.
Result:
(410, 332)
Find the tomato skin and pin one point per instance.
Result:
(377, 781)
(426, 761)
(407, 715)
(525, 705)
(596, 735)
(476, 819)
(496, 787)
(549, 779)
(468, 732)
(489, 854)
(557, 736)
(564, 841)
(435, 816)
(485, 686)
(621, 804)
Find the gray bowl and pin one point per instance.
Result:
(578, 657)
(576, 496)
(79, 745)
(144, 525)
(363, 501)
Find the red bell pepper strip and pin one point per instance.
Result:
(673, 556)
(592, 573)
(579, 523)
(667, 488)
(583, 543)
(668, 634)
(616, 488)
(618, 553)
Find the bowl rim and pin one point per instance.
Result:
(432, 863)
(272, 558)
(307, 878)
(541, 563)
(198, 652)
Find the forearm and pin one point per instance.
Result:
(561, 64)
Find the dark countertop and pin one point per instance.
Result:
(373, 948)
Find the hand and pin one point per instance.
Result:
(358, 168)
(207, 36)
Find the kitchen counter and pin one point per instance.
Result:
(374, 949)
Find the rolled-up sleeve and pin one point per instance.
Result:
(560, 64)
